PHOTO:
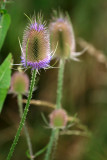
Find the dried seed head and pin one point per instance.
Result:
(19, 83)
(61, 32)
(36, 45)
(58, 118)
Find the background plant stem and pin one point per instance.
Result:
(50, 145)
(55, 132)
(25, 127)
(60, 83)
(55, 144)
(23, 117)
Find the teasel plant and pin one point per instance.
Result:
(19, 87)
(35, 54)
(62, 35)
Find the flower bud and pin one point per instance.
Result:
(58, 118)
(19, 83)
(61, 33)
(36, 46)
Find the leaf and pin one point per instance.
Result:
(4, 26)
(44, 119)
(41, 151)
(3, 11)
(5, 77)
(37, 153)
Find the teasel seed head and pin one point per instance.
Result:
(61, 32)
(58, 118)
(36, 45)
(19, 83)
(62, 36)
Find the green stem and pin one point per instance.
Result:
(50, 145)
(25, 127)
(55, 144)
(60, 83)
(55, 132)
(24, 116)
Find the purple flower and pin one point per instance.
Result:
(36, 46)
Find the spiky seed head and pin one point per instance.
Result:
(61, 32)
(19, 83)
(36, 45)
(58, 118)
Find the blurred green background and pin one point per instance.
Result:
(85, 83)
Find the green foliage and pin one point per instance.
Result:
(4, 26)
(41, 151)
(5, 77)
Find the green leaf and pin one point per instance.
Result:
(4, 26)
(44, 119)
(41, 151)
(37, 153)
(3, 11)
(5, 77)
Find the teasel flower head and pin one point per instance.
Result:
(19, 83)
(36, 45)
(62, 35)
(58, 118)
